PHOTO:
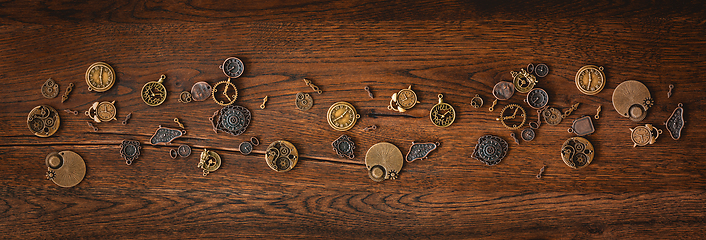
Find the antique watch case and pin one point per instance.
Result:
(100, 77)
(577, 152)
(403, 100)
(281, 156)
(102, 111)
(590, 79)
(232, 67)
(442, 114)
(43, 121)
(342, 116)
(154, 93)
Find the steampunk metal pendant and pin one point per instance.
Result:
(185, 97)
(50, 89)
(102, 111)
(643, 135)
(477, 101)
(344, 146)
(303, 101)
(232, 67)
(676, 122)
(528, 134)
(442, 114)
(537, 98)
(512, 122)
(582, 126)
(590, 79)
(552, 116)
(154, 93)
(342, 116)
(403, 100)
(100, 77)
(209, 162)
(247, 147)
(542, 70)
(201, 91)
(232, 119)
(43, 121)
(281, 156)
(165, 135)
(65, 168)
(130, 150)
(632, 99)
(577, 152)
(502, 91)
(182, 151)
(420, 150)
(226, 86)
(384, 161)
(490, 150)
(523, 81)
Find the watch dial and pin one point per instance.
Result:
(406, 98)
(233, 67)
(100, 76)
(442, 115)
(591, 79)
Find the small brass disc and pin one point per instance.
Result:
(154, 93)
(50, 89)
(552, 116)
(303, 101)
(590, 79)
(43, 121)
(384, 161)
(66, 168)
(100, 77)
(442, 114)
(281, 156)
(342, 116)
(577, 152)
(631, 99)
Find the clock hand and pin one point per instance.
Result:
(100, 77)
(589, 80)
(342, 115)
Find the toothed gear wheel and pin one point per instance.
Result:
(393, 174)
(649, 102)
(51, 174)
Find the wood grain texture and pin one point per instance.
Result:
(455, 48)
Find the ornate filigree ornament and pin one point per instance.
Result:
(165, 135)
(232, 119)
(209, 162)
(130, 151)
(676, 122)
(420, 150)
(523, 81)
(344, 146)
(490, 150)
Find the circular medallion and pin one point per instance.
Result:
(523, 81)
(631, 99)
(50, 89)
(537, 98)
(66, 168)
(245, 148)
(542, 70)
(490, 150)
(552, 116)
(184, 150)
(503, 90)
(43, 121)
(512, 116)
(185, 97)
(577, 152)
(442, 114)
(384, 161)
(201, 91)
(406, 98)
(590, 79)
(232, 67)
(100, 77)
(342, 116)
(303, 101)
(232, 119)
(226, 89)
(209, 161)
(477, 101)
(154, 93)
(528, 134)
(102, 111)
(129, 150)
(281, 156)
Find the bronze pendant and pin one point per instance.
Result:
(232, 67)
(226, 85)
(577, 152)
(523, 81)
(66, 94)
(384, 161)
(582, 126)
(313, 87)
(184, 150)
(281, 156)
(154, 93)
(598, 112)
(50, 89)
(342, 116)
(537, 98)
(552, 116)
(264, 100)
(201, 91)
(232, 119)
(100, 77)
(367, 89)
(542, 70)
(643, 135)
(528, 134)
(404, 100)
(420, 150)
(477, 101)
(165, 135)
(676, 122)
(502, 91)
(65, 168)
(590, 79)
(303, 101)
(130, 150)
(344, 146)
(442, 114)
(127, 117)
(511, 121)
(102, 111)
(43, 121)
(209, 161)
(490, 150)
(632, 99)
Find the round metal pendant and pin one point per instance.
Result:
(503, 90)
(154, 93)
(245, 148)
(384, 161)
(405, 98)
(50, 89)
(590, 79)
(490, 150)
(185, 97)
(65, 168)
(523, 81)
(643, 135)
(232, 67)
(43, 121)
(102, 111)
(344, 146)
(209, 161)
(130, 150)
(281, 156)
(552, 116)
(542, 70)
(537, 98)
(184, 150)
(477, 101)
(342, 116)
(509, 116)
(100, 77)
(528, 134)
(232, 119)
(226, 87)
(201, 91)
(442, 114)
(303, 101)
(631, 99)
(577, 152)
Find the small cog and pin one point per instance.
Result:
(649, 102)
(50, 175)
(393, 174)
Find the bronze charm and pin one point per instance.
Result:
(512, 135)
(384, 161)
(527, 134)
(502, 91)
(184, 150)
(404, 100)
(590, 79)
(65, 168)
(264, 100)
(570, 110)
(166, 135)
(542, 70)
(676, 122)
(344, 146)
(232, 67)
(523, 81)
(154, 93)
(490, 150)
(209, 161)
(643, 135)
(100, 77)
(66, 94)
(201, 91)
(281, 156)
(577, 152)
(632, 99)
(313, 87)
(127, 117)
(552, 116)
(537, 98)
(477, 101)
(420, 150)
(227, 85)
(342, 116)
(95, 129)
(669, 94)
(370, 128)
(232, 119)
(511, 121)
(442, 114)
(43, 121)
(247, 147)
(303, 101)
(185, 97)
(102, 112)
(74, 112)
(50, 89)
(541, 172)
(598, 112)
(176, 120)
(130, 150)
(582, 126)
(367, 89)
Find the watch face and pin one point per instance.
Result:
(406, 98)
(233, 67)
(590, 80)
(641, 136)
(537, 98)
(105, 111)
(100, 77)
(442, 115)
(342, 116)
(154, 93)
(513, 116)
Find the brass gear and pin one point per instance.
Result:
(225, 89)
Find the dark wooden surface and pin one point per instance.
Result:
(455, 48)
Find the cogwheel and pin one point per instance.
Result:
(393, 174)
(51, 174)
(649, 102)
(228, 84)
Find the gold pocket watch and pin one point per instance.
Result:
(643, 135)
(154, 93)
(100, 77)
(102, 111)
(590, 79)
(404, 100)
(342, 116)
(442, 114)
